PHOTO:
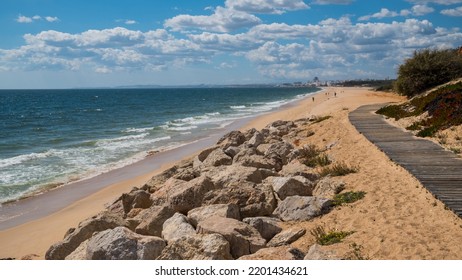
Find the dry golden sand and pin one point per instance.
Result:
(397, 219)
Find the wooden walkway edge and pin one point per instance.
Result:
(438, 170)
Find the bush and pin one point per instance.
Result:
(426, 69)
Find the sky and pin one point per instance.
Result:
(110, 43)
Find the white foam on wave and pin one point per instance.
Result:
(23, 158)
(139, 130)
(237, 107)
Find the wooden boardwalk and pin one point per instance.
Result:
(438, 170)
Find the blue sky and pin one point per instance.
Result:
(101, 43)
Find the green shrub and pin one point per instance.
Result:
(426, 69)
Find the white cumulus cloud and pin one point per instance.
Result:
(25, 19)
(266, 6)
(456, 12)
(333, 2)
(222, 20)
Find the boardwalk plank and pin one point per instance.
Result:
(438, 170)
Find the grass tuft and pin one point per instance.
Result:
(328, 238)
(348, 197)
(338, 169)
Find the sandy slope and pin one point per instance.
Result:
(397, 219)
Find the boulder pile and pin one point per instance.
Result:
(230, 201)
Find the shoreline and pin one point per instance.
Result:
(36, 235)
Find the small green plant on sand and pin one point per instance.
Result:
(338, 169)
(348, 197)
(328, 238)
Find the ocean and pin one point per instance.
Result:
(52, 137)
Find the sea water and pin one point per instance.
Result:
(53, 137)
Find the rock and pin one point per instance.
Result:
(226, 175)
(265, 173)
(328, 188)
(103, 221)
(256, 140)
(189, 195)
(279, 150)
(122, 244)
(302, 208)
(267, 227)
(233, 138)
(80, 253)
(243, 238)
(157, 181)
(249, 133)
(244, 152)
(198, 247)
(136, 199)
(275, 253)
(280, 128)
(286, 237)
(205, 153)
(296, 168)
(176, 227)
(197, 215)
(150, 221)
(232, 151)
(318, 252)
(252, 199)
(262, 148)
(290, 186)
(217, 158)
(258, 162)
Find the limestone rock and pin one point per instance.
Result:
(217, 158)
(232, 151)
(176, 227)
(328, 188)
(80, 253)
(189, 195)
(226, 175)
(275, 253)
(233, 138)
(296, 168)
(302, 208)
(318, 252)
(290, 186)
(84, 231)
(286, 237)
(151, 220)
(279, 150)
(199, 214)
(122, 244)
(198, 247)
(267, 227)
(243, 238)
(252, 199)
(256, 139)
(136, 199)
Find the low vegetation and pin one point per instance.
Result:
(337, 169)
(444, 108)
(328, 238)
(348, 197)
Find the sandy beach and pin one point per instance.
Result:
(397, 219)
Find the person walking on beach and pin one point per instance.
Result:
(313, 98)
